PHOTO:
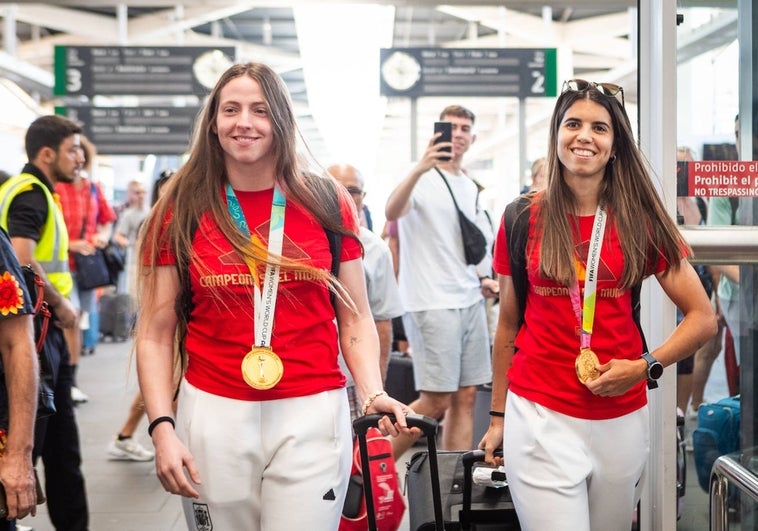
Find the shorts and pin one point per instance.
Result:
(686, 365)
(451, 348)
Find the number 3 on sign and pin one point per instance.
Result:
(538, 87)
(73, 80)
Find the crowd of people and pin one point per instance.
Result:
(260, 294)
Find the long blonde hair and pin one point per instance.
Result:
(197, 188)
(646, 230)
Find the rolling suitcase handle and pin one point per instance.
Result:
(468, 459)
(429, 427)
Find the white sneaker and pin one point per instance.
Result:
(691, 413)
(20, 527)
(129, 450)
(78, 396)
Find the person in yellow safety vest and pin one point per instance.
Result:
(33, 219)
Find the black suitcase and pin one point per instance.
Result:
(400, 384)
(116, 316)
(429, 428)
(465, 506)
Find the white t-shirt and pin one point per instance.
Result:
(433, 273)
(381, 285)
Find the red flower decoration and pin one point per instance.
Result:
(11, 295)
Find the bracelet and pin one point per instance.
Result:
(157, 421)
(494, 413)
(370, 400)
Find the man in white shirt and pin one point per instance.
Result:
(445, 318)
(381, 286)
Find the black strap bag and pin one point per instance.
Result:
(474, 242)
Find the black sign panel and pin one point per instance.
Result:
(136, 130)
(138, 70)
(517, 72)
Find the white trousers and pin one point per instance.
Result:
(276, 465)
(569, 474)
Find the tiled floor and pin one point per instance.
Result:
(126, 496)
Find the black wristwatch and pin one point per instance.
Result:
(654, 370)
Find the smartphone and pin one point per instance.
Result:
(446, 128)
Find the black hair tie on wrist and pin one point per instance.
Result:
(157, 421)
(494, 413)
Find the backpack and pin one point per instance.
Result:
(516, 221)
(389, 506)
(717, 434)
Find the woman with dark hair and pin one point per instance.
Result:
(574, 428)
(236, 266)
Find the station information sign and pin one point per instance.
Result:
(135, 130)
(138, 70)
(496, 72)
(717, 178)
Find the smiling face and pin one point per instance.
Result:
(244, 128)
(463, 134)
(585, 140)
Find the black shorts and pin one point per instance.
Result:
(685, 366)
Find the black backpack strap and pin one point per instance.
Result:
(516, 221)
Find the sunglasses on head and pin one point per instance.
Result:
(607, 89)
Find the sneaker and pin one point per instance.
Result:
(20, 527)
(78, 396)
(688, 444)
(129, 450)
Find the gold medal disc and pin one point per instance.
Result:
(262, 368)
(585, 365)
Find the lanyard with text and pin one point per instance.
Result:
(262, 368)
(585, 314)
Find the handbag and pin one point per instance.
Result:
(474, 242)
(388, 506)
(92, 270)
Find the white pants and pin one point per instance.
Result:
(276, 465)
(569, 474)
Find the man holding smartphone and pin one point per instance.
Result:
(445, 318)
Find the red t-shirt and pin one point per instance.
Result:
(78, 200)
(304, 334)
(548, 341)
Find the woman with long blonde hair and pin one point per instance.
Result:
(236, 265)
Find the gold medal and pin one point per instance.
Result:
(585, 365)
(262, 368)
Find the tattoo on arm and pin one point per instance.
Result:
(354, 341)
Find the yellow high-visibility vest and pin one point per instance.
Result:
(51, 251)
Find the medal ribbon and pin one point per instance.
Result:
(265, 298)
(585, 315)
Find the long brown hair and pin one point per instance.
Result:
(646, 230)
(198, 188)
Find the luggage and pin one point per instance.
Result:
(400, 384)
(388, 505)
(429, 427)
(465, 506)
(482, 411)
(717, 434)
(115, 316)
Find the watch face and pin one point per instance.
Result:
(655, 370)
(401, 71)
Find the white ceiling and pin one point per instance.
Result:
(596, 40)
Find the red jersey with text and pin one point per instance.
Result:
(548, 341)
(221, 326)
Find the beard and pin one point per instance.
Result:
(60, 176)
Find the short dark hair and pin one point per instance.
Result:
(459, 111)
(48, 131)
